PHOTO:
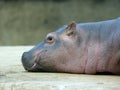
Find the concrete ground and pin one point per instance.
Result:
(14, 77)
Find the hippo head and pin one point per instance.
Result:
(55, 53)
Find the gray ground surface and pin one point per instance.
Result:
(14, 77)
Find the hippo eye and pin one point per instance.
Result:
(50, 39)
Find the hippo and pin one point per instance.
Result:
(81, 48)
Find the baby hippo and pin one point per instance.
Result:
(88, 48)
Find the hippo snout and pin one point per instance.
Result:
(27, 61)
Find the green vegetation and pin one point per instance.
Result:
(27, 22)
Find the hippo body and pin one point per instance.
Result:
(78, 48)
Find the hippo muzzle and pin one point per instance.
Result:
(30, 62)
(27, 61)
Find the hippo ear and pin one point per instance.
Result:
(70, 29)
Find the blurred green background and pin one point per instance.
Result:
(26, 22)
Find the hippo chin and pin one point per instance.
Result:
(78, 48)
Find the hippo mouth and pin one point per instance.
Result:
(37, 65)
(33, 62)
(35, 68)
(41, 67)
(37, 62)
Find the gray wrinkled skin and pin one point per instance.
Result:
(78, 48)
